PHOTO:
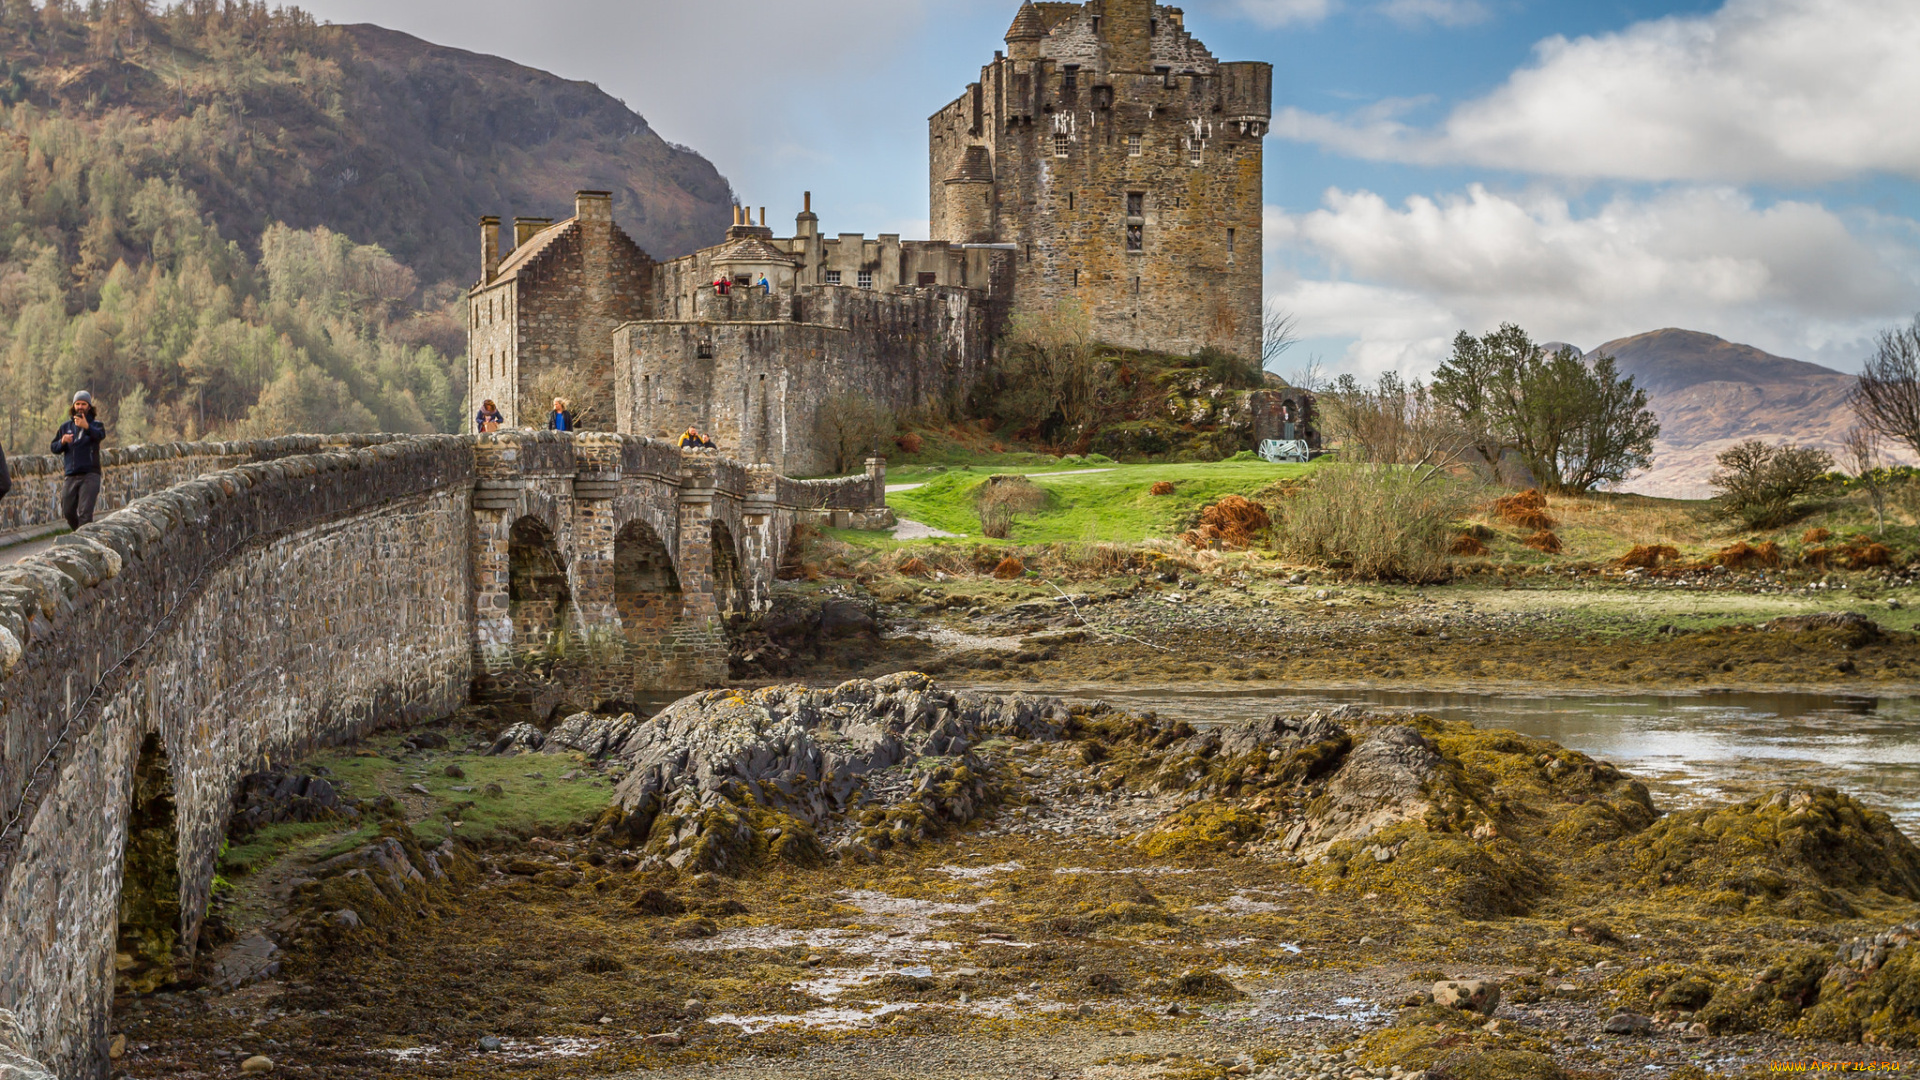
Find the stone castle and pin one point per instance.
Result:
(1105, 158)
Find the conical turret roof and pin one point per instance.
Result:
(1028, 25)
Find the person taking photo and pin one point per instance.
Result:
(78, 440)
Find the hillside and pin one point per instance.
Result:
(1711, 393)
(373, 133)
(226, 220)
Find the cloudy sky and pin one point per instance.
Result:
(1589, 169)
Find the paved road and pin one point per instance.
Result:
(15, 552)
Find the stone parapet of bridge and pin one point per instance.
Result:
(252, 602)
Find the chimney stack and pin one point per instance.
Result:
(763, 217)
(525, 227)
(593, 205)
(489, 248)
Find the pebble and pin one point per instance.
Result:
(456, 772)
(1627, 1023)
(117, 1049)
(257, 1064)
(419, 789)
(694, 1009)
(489, 1044)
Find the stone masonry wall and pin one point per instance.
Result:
(250, 615)
(756, 372)
(1127, 172)
(131, 472)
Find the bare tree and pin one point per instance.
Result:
(1862, 450)
(1887, 398)
(1396, 423)
(1279, 331)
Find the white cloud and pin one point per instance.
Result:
(1443, 12)
(1790, 277)
(1275, 13)
(1791, 91)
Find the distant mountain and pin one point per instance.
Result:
(1710, 394)
(373, 133)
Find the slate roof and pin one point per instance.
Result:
(1027, 26)
(752, 249)
(525, 253)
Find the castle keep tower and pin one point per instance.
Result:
(1123, 163)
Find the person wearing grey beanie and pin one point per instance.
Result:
(78, 440)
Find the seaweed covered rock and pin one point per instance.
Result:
(280, 795)
(714, 773)
(375, 891)
(1383, 782)
(1797, 852)
(1871, 992)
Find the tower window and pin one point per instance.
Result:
(1166, 76)
(1060, 145)
(1193, 151)
(1136, 286)
(1136, 236)
(1069, 200)
(1096, 24)
(1153, 26)
(833, 277)
(1133, 146)
(1076, 279)
(1070, 78)
(1229, 242)
(1136, 204)
(866, 279)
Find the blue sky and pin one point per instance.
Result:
(1589, 169)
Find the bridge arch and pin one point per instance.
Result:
(152, 938)
(539, 594)
(732, 596)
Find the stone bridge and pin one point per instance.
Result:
(252, 602)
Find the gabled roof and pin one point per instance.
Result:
(525, 253)
(1027, 25)
(752, 249)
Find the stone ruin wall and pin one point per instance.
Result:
(756, 372)
(256, 613)
(128, 473)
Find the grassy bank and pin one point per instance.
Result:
(1103, 503)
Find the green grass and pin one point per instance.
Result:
(528, 807)
(271, 842)
(1101, 503)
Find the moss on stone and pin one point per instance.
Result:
(1199, 829)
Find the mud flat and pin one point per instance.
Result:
(891, 878)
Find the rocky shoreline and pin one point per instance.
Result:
(886, 878)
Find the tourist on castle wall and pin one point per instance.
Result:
(694, 440)
(488, 418)
(562, 418)
(766, 287)
(722, 285)
(78, 440)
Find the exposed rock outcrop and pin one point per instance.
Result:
(16, 1063)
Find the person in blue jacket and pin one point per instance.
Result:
(78, 440)
(562, 419)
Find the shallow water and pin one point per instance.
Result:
(1689, 748)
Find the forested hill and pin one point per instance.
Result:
(225, 219)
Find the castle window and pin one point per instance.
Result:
(1153, 26)
(1229, 244)
(1096, 24)
(1136, 236)
(929, 279)
(1193, 151)
(1136, 286)
(833, 277)
(1069, 200)
(1060, 145)
(1136, 204)
(1133, 145)
(1076, 279)
(1166, 77)
(1070, 78)
(866, 279)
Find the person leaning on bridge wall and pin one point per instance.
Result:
(78, 440)
(488, 418)
(694, 440)
(562, 417)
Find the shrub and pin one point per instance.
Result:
(1765, 487)
(1467, 544)
(1161, 487)
(1379, 522)
(1233, 372)
(1234, 522)
(1009, 568)
(1527, 510)
(1543, 540)
(1649, 556)
(910, 443)
(1003, 496)
(1816, 535)
(1745, 556)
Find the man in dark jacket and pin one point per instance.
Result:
(79, 441)
(6, 478)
